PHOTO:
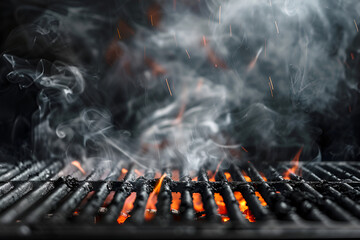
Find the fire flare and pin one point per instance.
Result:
(295, 168)
(152, 200)
(128, 206)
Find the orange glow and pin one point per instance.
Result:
(243, 207)
(198, 204)
(295, 168)
(176, 201)
(247, 178)
(152, 200)
(225, 219)
(228, 176)
(220, 203)
(108, 199)
(263, 203)
(78, 166)
(263, 176)
(128, 206)
(175, 175)
(195, 179)
(124, 171)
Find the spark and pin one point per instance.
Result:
(230, 31)
(168, 86)
(204, 40)
(253, 62)
(220, 14)
(357, 29)
(187, 53)
(118, 33)
(151, 18)
(277, 28)
(272, 95)
(244, 149)
(272, 86)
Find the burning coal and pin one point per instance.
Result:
(181, 83)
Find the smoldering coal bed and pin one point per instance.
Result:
(50, 199)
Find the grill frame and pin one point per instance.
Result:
(288, 202)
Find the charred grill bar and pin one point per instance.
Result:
(322, 200)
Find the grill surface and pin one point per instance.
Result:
(49, 199)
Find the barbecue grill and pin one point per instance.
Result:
(52, 199)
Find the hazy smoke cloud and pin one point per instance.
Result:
(174, 82)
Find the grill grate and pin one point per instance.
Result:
(41, 198)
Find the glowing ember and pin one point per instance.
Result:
(152, 200)
(128, 206)
(78, 166)
(198, 204)
(295, 162)
(243, 207)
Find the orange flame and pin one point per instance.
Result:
(128, 206)
(248, 179)
(220, 203)
(176, 201)
(295, 168)
(198, 204)
(78, 166)
(228, 176)
(152, 200)
(243, 207)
